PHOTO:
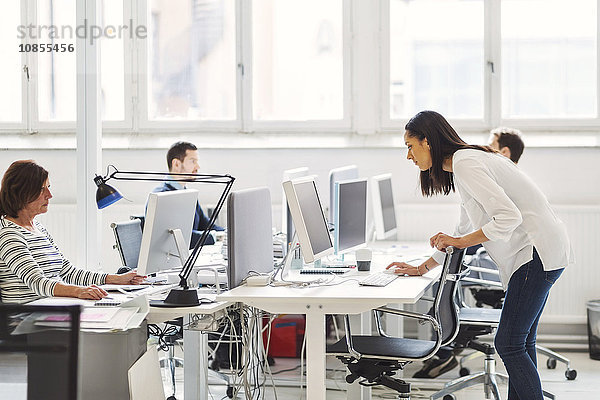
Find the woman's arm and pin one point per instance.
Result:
(440, 240)
(404, 268)
(92, 292)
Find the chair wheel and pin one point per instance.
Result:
(571, 374)
(171, 398)
(464, 371)
(351, 378)
(229, 392)
(214, 365)
(551, 363)
(449, 397)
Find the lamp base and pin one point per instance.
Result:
(178, 298)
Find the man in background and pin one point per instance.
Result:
(182, 158)
(509, 143)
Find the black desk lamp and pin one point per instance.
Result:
(107, 195)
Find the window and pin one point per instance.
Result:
(549, 57)
(191, 60)
(56, 72)
(297, 56)
(436, 58)
(11, 67)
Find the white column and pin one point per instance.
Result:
(89, 136)
(365, 66)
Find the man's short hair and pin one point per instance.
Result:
(178, 151)
(511, 138)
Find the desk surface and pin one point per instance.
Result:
(342, 290)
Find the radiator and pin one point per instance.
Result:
(416, 222)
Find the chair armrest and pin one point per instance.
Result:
(423, 318)
(483, 282)
(485, 270)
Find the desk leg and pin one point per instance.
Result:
(315, 355)
(360, 323)
(195, 364)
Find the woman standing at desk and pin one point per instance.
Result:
(31, 266)
(504, 210)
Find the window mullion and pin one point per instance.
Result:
(597, 61)
(492, 63)
(244, 65)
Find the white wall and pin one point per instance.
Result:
(569, 177)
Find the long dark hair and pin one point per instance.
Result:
(443, 142)
(21, 184)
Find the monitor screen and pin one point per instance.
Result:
(336, 175)
(309, 219)
(384, 211)
(287, 226)
(350, 219)
(166, 211)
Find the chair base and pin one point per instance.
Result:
(489, 378)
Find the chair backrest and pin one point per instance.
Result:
(128, 237)
(481, 259)
(54, 348)
(445, 309)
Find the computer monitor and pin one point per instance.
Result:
(384, 211)
(287, 226)
(336, 175)
(167, 211)
(310, 222)
(249, 234)
(350, 219)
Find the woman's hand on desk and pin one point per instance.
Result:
(128, 278)
(92, 292)
(402, 268)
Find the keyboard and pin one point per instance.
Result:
(324, 271)
(379, 279)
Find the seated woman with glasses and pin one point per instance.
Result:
(31, 266)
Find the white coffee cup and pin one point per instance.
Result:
(363, 259)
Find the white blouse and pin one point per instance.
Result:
(511, 211)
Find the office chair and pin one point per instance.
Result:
(376, 358)
(484, 284)
(476, 322)
(52, 354)
(128, 239)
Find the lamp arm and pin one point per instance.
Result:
(189, 263)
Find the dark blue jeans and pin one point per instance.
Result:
(515, 338)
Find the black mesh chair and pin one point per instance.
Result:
(56, 356)
(377, 358)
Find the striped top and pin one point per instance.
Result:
(31, 265)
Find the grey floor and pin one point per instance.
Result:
(13, 380)
(584, 387)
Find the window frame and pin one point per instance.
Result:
(366, 79)
(492, 83)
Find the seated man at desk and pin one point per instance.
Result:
(31, 266)
(182, 158)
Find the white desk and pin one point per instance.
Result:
(345, 298)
